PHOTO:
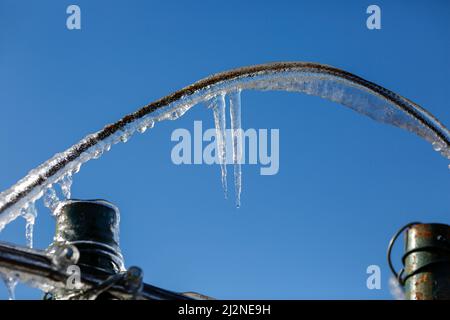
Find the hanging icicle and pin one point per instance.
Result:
(29, 214)
(218, 106)
(10, 283)
(236, 134)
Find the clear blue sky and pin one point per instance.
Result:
(345, 185)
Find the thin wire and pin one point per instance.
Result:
(398, 276)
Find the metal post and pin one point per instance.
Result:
(427, 262)
(92, 226)
(87, 235)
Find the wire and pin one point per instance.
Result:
(38, 269)
(102, 287)
(398, 275)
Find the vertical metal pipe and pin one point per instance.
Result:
(427, 262)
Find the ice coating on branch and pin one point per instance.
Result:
(333, 86)
(236, 136)
(147, 124)
(218, 106)
(64, 176)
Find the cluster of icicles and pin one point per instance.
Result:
(218, 106)
(314, 82)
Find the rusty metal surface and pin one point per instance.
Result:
(427, 262)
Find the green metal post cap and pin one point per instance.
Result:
(93, 227)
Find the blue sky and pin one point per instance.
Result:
(345, 185)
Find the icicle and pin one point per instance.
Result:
(51, 200)
(66, 184)
(236, 134)
(146, 124)
(437, 146)
(10, 284)
(77, 167)
(126, 133)
(124, 138)
(218, 105)
(29, 215)
(177, 113)
(337, 86)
